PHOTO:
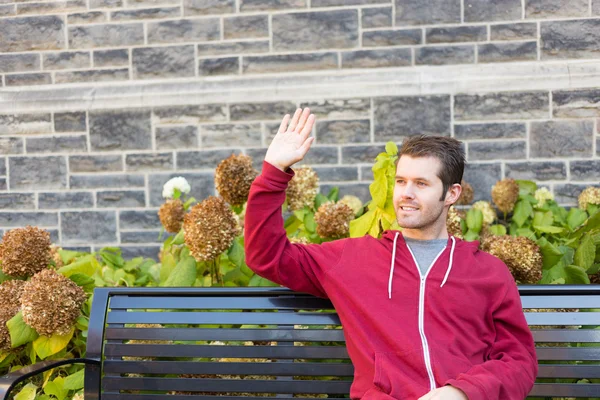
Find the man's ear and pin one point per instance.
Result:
(453, 194)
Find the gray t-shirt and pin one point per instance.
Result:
(425, 251)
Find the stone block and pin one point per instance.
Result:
(163, 62)
(360, 190)
(445, 55)
(516, 31)
(100, 75)
(149, 13)
(226, 134)
(89, 163)
(152, 3)
(52, 7)
(264, 5)
(58, 200)
(70, 121)
(56, 144)
(142, 237)
(205, 7)
(3, 185)
(17, 201)
(75, 227)
(337, 174)
(321, 155)
(580, 103)
(507, 52)
(503, 105)
(416, 12)
(343, 131)
(556, 8)
(19, 62)
(588, 170)
(32, 33)
(106, 35)
(246, 27)
(111, 58)
(570, 39)
(399, 117)
(392, 37)
(66, 60)
(289, 63)
(338, 3)
(22, 218)
(202, 184)
(568, 193)
(86, 17)
(25, 123)
(190, 114)
(366, 173)
(139, 219)
(106, 181)
(233, 48)
(10, 145)
(48, 172)
(492, 10)
(490, 131)
(8, 10)
(361, 154)
(497, 150)
(203, 159)
(129, 252)
(149, 162)
(28, 79)
(176, 137)
(261, 111)
(184, 30)
(536, 171)
(561, 139)
(456, 34)
(315, 30)
(339, 108)
(122, 130)
(3, 166)
(219, 66)
(121, 198)
(377, 58)
(482, 177)
(379, 17)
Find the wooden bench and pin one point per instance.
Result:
(269, 337)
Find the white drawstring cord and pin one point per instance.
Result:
(450, 263)
(392, 266)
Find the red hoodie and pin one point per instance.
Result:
(461, 324)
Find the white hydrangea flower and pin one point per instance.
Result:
(489, 215)
(542, 195)
(179, 183)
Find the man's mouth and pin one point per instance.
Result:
(408, 208)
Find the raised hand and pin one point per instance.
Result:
(291, 143)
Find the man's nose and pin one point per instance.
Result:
(408, 192)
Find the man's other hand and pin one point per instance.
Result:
(445, 393)
(291, 143)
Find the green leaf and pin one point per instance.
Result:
(112, 256)
(391, 148)
(86, 282)
(292, 224)
(548, 229)
(543, 218)
(334, 194)
(4, 277)
(360, 226)
(45, 346)
(551, 254)
(571, 274)
(471, 236)
(179, 238)
(526, 187)
(133, 264)
(184, 273)
(522, 212)
(585, 253)
(85, 265)
(167, 266)
(75, 381)
(576, 217)
(258, 280)
(474, 220)
(236, 253)
(27, 393)
(20, 332)
(309, 222)
(379, 189)
(594, 269)
(320, 200)
(56, 388)
(498, 230)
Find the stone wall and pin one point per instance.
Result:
(102, 101)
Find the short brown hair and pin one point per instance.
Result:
(446, 149)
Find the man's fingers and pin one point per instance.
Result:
(306, 146)
(284, 123)
(303, 119)
(307, 127)
(295, 119)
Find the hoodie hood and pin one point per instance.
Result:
(393, 236)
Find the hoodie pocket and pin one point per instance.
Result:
(401, 375)
(448, 364)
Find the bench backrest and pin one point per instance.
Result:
(266, 342)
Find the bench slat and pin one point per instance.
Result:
(289, 335)
(185, 350)
(220, 303)
(568, 371)
(559, 301)
(567, 335)
(558, 318)
(229, 368)
(236, 318)
(146, 396)
(226, 385)
(565, 390)
(568, 353)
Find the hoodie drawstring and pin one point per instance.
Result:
(394, 262)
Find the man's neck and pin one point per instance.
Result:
(420, 234)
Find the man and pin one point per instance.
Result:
(426, 316)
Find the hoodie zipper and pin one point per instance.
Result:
(423, 281)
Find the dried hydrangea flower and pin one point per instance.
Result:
(590, 195)
(55, 255)
(209, 228)
(25, 251)
(453, 223)
(353, 202)
(51, 303)
(467, 194)
(505, 194)
(302, 188)
(299, 240)
(10, 295)
(488, 212)
(171, 215)
(5, 343)
(333, 220)
(233, 178)
(521, 255)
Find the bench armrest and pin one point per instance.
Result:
(8, 381)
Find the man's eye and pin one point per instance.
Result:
(421, 184)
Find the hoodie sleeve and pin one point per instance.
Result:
(269, 253)
(511, 367)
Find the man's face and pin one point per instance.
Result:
(417, 194)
